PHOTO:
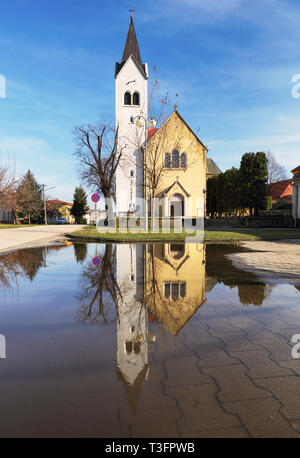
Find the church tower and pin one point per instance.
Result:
(131, 101)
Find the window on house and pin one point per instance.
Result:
(131, 119)
(175, 159)
(132, 173)
(167, 160)
(175, 290)
(137, 348)
(183, 161)
(167, 289)
(136, 98)
(182, 289)
(127, 98)
(128, 347)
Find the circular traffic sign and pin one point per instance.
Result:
(95, 198)
(96, 261)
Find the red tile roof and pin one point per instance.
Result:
(58, 202)
(281, 189)
(296, 169)
(296, 172)
(151, 132)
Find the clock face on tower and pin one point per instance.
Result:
(130, 82)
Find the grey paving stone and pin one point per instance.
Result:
(220, 324)
(236, 341)
(262, 418)
(194, 335)
(150, 393)
(201, 410)
(235, 384)
(278, 347)
(158, 423)
(184, 371)
(260, 365)
(254, 329)
(287, 391)
(213, 354)
(293, 365)
(237, 432)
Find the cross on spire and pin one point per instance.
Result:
(131, 11)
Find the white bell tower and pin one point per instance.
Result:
(131, 101)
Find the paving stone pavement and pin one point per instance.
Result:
(233, 376)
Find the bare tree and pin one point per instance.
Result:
(99, 291)
(276, 172)
(98, 153)
(9, 195)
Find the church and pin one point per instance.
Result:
(164, 163)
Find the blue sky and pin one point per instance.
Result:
(230, 61)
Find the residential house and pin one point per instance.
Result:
(59, 209)
(6, 216)
(296, 195)
(281, 190)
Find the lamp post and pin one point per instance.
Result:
(140, 122)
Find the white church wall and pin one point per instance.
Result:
(128, 188)
(132, 347)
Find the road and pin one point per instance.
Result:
(25, 237)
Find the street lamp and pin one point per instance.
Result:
(141, 121)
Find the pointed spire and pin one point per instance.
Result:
(131, 49)
(133, 391)
(131, 46)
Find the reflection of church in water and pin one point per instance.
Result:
(161, 282)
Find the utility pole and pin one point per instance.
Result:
(44, 200)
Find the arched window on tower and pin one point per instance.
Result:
(136, 98)
(183, 161)
(127, 98)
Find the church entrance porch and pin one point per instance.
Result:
(176, 205)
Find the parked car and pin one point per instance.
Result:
(61, 221)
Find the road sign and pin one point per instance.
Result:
(95, 198)
(96, 261)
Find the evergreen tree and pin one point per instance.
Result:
(246, 174)
(253, 183)
(80, 251)
(80, 206)
(30, 198)
(260, 182)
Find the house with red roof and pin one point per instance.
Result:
(296, 194)
(281, 190)
(59, 209)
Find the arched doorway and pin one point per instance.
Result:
(177, 205)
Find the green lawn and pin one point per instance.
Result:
(209, 235)
(16, 226)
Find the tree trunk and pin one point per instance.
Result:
(109, 207)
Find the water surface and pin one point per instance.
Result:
(159, 340)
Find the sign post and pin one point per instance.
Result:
(95, 198)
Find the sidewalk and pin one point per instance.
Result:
(270, 261)
(25, 237)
